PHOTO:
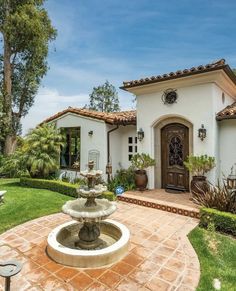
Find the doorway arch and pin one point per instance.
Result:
(158, 146)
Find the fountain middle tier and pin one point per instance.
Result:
(78, 211)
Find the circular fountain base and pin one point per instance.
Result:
(63, 245)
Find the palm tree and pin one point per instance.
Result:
(42, 150)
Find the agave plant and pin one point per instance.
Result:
(42, 150)
(217, 197)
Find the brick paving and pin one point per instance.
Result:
(160, 256)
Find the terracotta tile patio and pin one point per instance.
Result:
(160, 256)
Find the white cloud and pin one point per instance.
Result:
(48, 102)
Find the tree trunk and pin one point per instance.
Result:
(10, 144)
(7, 92)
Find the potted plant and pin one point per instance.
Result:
(140, 163)
(198, 166)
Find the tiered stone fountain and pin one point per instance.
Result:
(93, 240)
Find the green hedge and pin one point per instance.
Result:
(60, 187)
(223, 221)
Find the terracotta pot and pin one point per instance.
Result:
(199, 184)
(141, 180)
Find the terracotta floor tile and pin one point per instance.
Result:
(110, 278)
(54, 284)
(67, 273)
(141, 251)
(26, 246)
(28, 266)
(17, 242)
(141, 276)
(122, 268)
(97, 286)
(184, 288)
(95, 273)
(157, 284)
(53, 267)
(81, 281)
(133, 259)
(165, 251)
(175, 265)
(158, 259)
(19, 283)
(30, 236)
(128, 285)
(167, 275)
(10, 237)
(37, 275)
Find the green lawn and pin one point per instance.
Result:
(23, 204)
(217, 256)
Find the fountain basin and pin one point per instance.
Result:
(61, 245)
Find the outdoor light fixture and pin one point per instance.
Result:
(140, 134)
(231, 180)
(90, 133)
(108, 169)
(202, 133)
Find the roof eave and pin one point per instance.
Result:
(226, 68)
(220, 118)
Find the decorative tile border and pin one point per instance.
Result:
(168, 208)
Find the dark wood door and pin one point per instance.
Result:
(174, 151)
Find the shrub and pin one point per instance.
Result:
(60, 187)
(142, 161)
(53, 185)
(199, 165)
(223, 221)
(42, 150)
(108, 195)
(217, 197)
(14, 166)
(124, 178)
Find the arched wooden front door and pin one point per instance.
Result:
(174, 151)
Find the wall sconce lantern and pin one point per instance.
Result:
(90, 133)
(140, 134)
(108, 169)
(202, 133)
(231, 180)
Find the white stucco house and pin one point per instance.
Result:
(171, 109)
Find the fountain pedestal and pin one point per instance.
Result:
(89, 237)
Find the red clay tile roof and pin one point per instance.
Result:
(218, 65)
(228, 112)
(121, 118)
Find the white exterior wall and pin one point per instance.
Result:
(227, 146)
(220, 102)
(119, 146)
(95, 142)
(197, 104)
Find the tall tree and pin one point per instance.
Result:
(104, 98)
(26, 31)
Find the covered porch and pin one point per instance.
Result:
(179, 203)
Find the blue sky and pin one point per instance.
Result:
(118, 40)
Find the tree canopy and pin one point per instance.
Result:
(25, 30)
(104, 98)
